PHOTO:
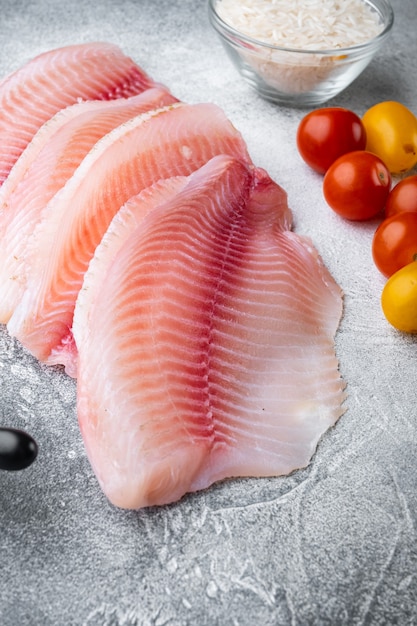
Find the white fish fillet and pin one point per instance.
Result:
(44, 167)
(56, 79)
(206, 344)
(175, 140)
(124, 222)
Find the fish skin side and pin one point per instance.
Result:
(175, 140)
(208, 350)
(44, 167)
(56, 79)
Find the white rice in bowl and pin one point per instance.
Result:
(302, 24)
(310, 25)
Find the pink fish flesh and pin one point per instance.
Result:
(174, 140)
(42, 170)
(206, 347)
(124, 222)
(56, 79)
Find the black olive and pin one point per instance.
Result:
(18, 450)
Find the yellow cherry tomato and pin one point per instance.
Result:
(391, 131)
(399, 299)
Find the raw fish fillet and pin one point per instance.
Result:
(44, 167)
(174, 140)
(126, 220)
(55, 79)
(206, 346)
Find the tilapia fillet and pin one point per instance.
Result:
(56, 79)
(44, 167)
(206, 339)
(174, 140)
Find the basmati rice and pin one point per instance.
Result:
(303, 24)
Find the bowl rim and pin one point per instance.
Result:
(251, 41)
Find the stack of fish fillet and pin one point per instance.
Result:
(142, 249)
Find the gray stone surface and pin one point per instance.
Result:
(332, 544)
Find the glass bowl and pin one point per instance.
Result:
(296, 77)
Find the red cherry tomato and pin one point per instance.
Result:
(395, 243)
(356, 186)
(325, 134)
(403, 197)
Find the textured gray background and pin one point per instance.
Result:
(332, 544)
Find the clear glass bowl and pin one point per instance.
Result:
(303, 78)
